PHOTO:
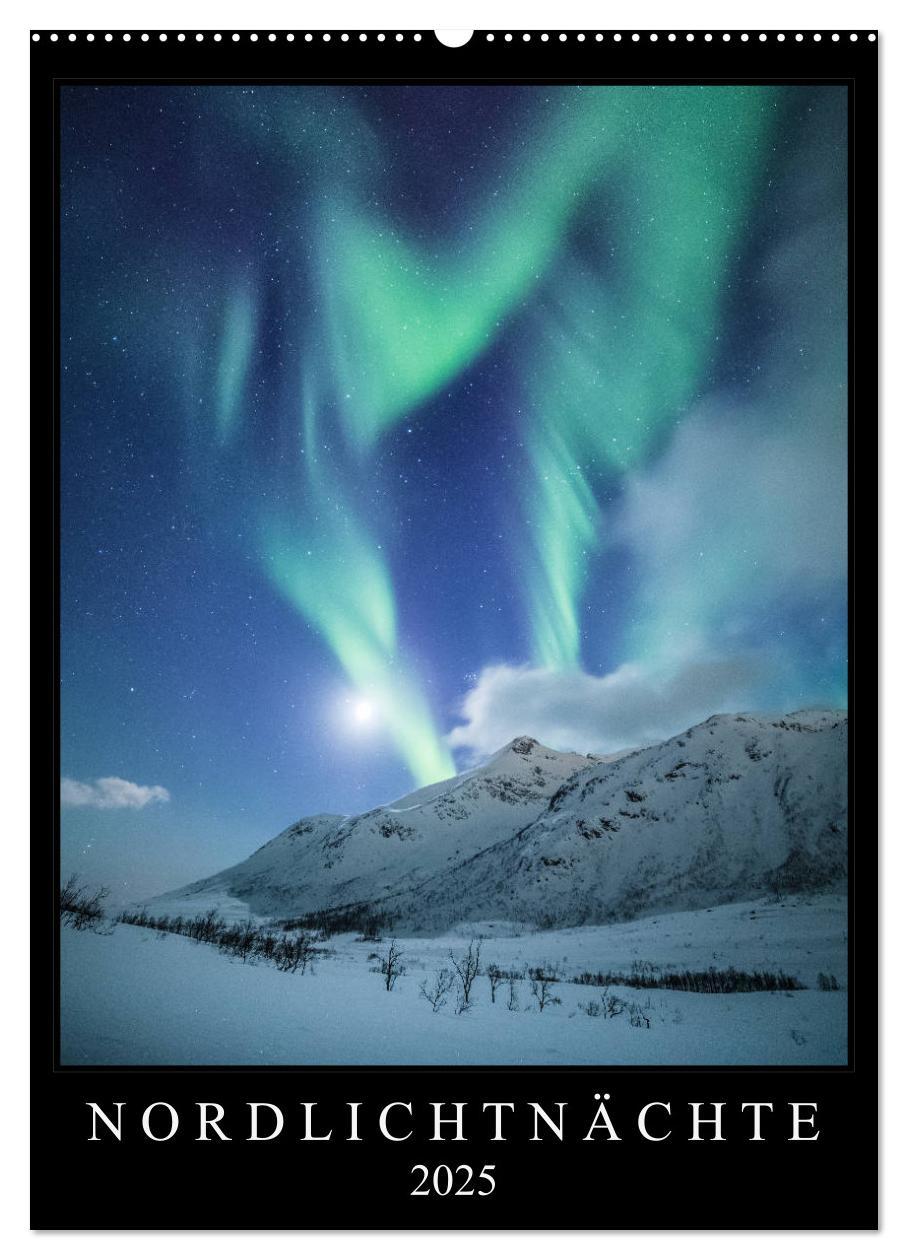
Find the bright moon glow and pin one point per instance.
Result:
(363, 712)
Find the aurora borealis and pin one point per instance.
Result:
(490, 406)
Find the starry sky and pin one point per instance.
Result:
(397, 421)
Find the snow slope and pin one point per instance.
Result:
(733, 807)
(730, 808)
(136, 997)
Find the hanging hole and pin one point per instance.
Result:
(453, 38)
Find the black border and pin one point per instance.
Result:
(267, 1179)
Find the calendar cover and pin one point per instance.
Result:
(453, 448)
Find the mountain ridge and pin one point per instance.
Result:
(735, 806)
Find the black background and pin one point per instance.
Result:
(288, 1184)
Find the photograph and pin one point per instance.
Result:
(454, 573)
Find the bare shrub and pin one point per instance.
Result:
(390, 966)
(80, 907)
(294, 953)
(646, 975)
(608, 1006)
(240, 940)
(496, 977)
(636, 1016)
(467, 968)
(513, 994)
(371, 925)
(436, 991)
(287, 951)
(542, 980)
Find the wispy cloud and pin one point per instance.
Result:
(110, 793)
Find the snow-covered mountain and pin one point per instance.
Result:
(740, 805)
(736, 807)
(330, 860)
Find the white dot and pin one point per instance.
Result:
(399, 38)
(235, 37)
(179, 37)
(745, 38)
(509, 38)
(617, 38)
(580, 38)
(544, 38)
(217, 39)
(726, 38)
(308, 38)
(54, 38)
(654, 37)
(636, 38)
(326, 37)
(290, 38)
(381, 37)
(781, 38)
(271, 38)
(36, 37)
(690, 38)
(672, 38)
(344, 38)
(417, 37)
(562, 38)
(762, 39)
(254, 38)
(126, 38)
(144, 39)
(72, 38)
(363, 38)
(853, 38)
(799, 37)
(107, 38)
(162, 37)
(91, 37)
(708, 38)
(872, 38)
(817, 38)
(599, 38)
(199, 37)
(490, 37)
(835, 38)
(526, 38)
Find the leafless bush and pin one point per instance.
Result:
(436, 991)
(496, 977)
(646, 975)
(240, 940)
(636, 1016)
(390, 966)
(370, 925)
(292, 952)
(466, 968)
(541, 981)
(513, 994)
(828, 984)
(80, 907)
(206, 928)
(608, 1006)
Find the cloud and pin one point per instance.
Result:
(581, 712)
(110, 793)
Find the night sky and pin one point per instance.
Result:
(399, 421)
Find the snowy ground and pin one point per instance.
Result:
(137, 997)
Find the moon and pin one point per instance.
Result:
(363, 712)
